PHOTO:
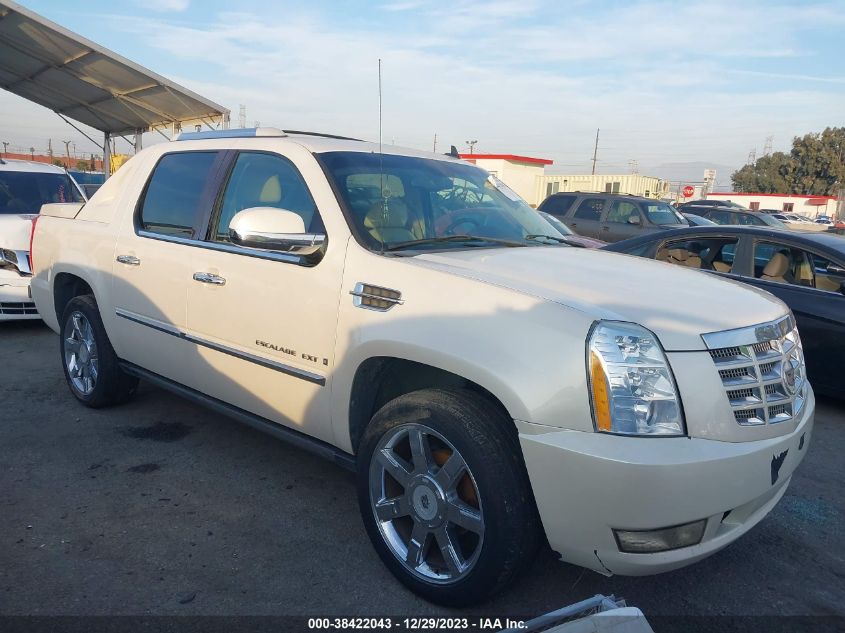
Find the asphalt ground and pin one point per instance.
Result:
(160, 507)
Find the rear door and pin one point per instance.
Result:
(585, 218)
(622, 220)
(809, 285)
(152, 268)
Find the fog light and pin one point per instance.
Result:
(650, 541)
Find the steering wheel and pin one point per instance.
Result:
(450, 230)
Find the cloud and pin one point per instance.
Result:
(664, 81)
(163, 6)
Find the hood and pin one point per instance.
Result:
(677, 304)
(15, 230)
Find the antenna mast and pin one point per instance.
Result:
(595, 151)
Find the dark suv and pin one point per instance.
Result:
(741, 216)
(611, 217)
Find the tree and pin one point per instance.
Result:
(814, 167)
(770, 174)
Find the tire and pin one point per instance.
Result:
(88, 359)
(463, 495)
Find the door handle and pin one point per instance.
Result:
(209, 278)
(129, 260)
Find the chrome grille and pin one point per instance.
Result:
(762, 371)
(17, 308)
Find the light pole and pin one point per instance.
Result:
(5, 145)
(471, 145)
(32, 153)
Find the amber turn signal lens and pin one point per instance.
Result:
(601, 402)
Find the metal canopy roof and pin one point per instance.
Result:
(48, 64)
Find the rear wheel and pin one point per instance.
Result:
(445, 497)
(88, 359)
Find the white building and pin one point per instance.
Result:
(634, 184)
(811, 206)
(526, 176)
(520, 173)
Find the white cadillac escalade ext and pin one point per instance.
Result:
(407, 315)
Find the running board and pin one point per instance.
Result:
(291, 436)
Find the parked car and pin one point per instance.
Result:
(697, 220)
(709, 204)
(805, 270)
(24, 187)
(404, 315)
(611, 217)
(741, 217)
(570, 237)
(823, 219)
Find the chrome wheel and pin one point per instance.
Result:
(426, 503)
(80, 350)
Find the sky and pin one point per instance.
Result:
(667, 83)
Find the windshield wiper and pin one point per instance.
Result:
(560, 240)
(451, 238)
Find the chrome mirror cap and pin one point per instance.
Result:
(273, 229)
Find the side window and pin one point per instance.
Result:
(828, 274)
(748, 219)
(708, 254)
(590, 209)
(265, 180)
(173, 196)
(621, 211)
(558, 205)
(719, 217)
(783, 264)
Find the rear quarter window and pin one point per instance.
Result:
(557, 205)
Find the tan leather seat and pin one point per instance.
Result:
(804, 273)
(776, 268)
(398, 224)
(722, 267)
(677, 256)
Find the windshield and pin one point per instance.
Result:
(410, 203)
(662, 213)
(26, 191)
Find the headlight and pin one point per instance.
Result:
(632, 387)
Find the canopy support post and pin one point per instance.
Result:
(138, 143)
(106, 154)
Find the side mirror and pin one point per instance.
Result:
(634, 219)
(833, 269)
(274, 229)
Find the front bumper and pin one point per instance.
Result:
(587, 484)
(15, 300)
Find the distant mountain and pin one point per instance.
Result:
(692, 172)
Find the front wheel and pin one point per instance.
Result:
(445, 496)
(89, 361)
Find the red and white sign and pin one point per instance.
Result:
(689, 190)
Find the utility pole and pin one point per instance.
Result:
(434, 148)
(32, 153)
(242, 116)
(50, 149)
(752, 157)
(595, 151)
(633, 164)
(67, 152)
(5, 145)
(767, 148)
(471, 145)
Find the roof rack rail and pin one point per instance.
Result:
(248, 132)
(323, 135)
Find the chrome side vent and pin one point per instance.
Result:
(762, 370)
(376, 298)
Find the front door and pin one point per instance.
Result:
(265, 322)
(622, 220)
